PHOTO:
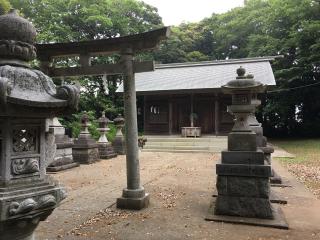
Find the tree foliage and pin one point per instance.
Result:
(4, 6)
(74, 20)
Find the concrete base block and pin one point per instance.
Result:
(133, 203)
(62, 167)
(278, 220)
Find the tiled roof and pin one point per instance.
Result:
(201, 75)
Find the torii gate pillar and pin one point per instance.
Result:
(134, 196)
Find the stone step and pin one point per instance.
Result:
(176, 147)
(169, 139)
(178, 151)
(180, 144)
(204, 144)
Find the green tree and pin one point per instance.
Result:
(77, 20)
(4, 6)
(74, 20)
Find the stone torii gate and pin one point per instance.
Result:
(134, 196)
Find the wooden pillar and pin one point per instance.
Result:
(216, 114)
(170, 115)
(144, 112)
(191, 111)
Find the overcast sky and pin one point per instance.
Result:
(174, 12)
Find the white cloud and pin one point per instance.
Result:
(174, 12)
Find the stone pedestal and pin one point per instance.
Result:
(106, 150)
(118, 143)
(85, 149)
(243, 185)
(63, 158)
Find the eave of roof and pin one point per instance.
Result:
(218, 62)
(201, 76)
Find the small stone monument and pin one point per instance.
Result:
(63, 158)
(119, 141)
(242, 175)
(85, 149)
(27, 98)
(106, 150)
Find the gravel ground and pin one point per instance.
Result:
(180, 186)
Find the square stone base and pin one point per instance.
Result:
(133, 203)
(278, 221)
(119, 145)
(242, 141)
(106, 151)
(85, 155)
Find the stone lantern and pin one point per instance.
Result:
(242, 175)
(85, 149)
(105, 147)
(27, 98)
(119, 142)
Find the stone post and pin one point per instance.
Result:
(106, 150)
(119, 141)
(134, 196)
(85, 149)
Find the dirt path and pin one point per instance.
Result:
(180, 186)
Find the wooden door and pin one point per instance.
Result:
(204, 109)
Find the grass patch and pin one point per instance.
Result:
(307, 151)
(306, 165)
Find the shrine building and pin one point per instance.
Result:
(173, 95)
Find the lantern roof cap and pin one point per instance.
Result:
(17, 37)
(243, 82)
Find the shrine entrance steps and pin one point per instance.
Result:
(208, 143)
